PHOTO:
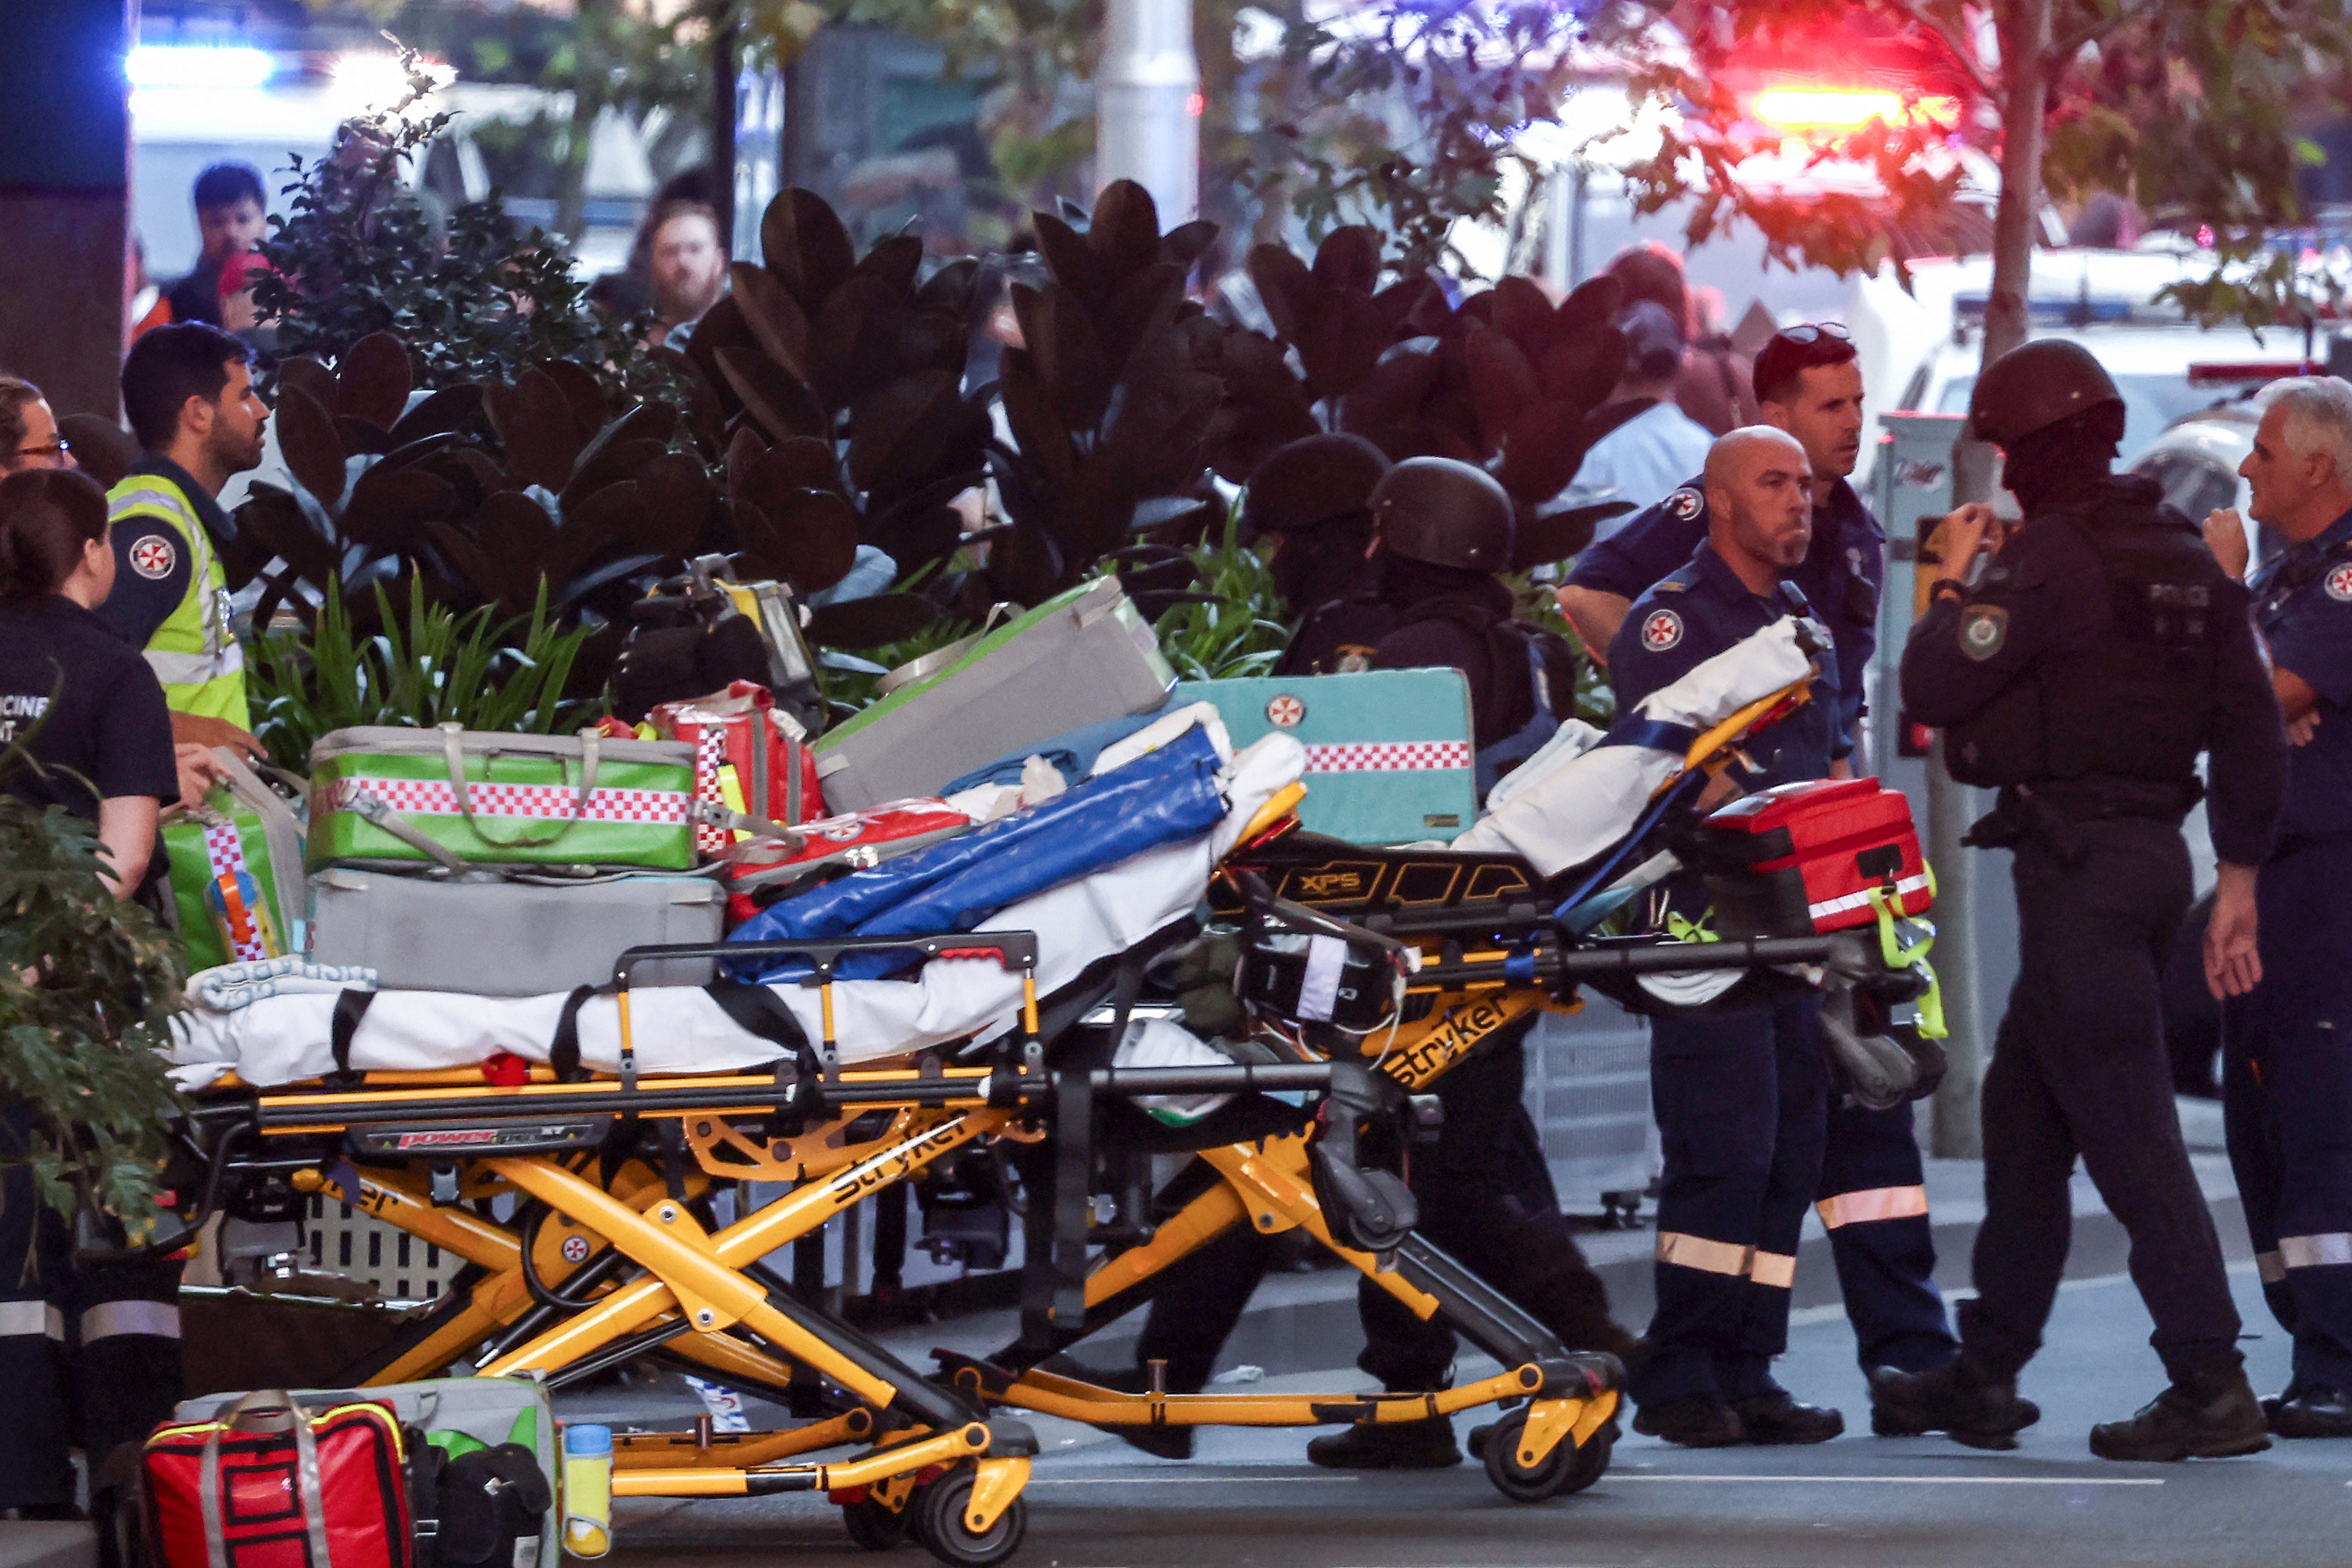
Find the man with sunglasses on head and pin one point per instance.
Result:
(1873, 1195)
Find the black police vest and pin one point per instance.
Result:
(2137, 703)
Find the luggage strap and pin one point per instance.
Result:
(266, 1411)
(453, 752)
(564, 1050)
(376, 812)
(350, 1006)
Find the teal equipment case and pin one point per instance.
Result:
(1389, 759)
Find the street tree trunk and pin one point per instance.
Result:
(591, 91)
(2024, 32)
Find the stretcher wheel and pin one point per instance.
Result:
(1567, 1468)
(873, 1525)
(938, 1520)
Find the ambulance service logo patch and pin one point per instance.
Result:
(2340, 584)
(1662, 631)
(153, 557)
(1982, 631)
(1685, 503)
(1284, 711)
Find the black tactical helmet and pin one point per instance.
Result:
(1311, 481)
(2033, 386)
(1446, 513)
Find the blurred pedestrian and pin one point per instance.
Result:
(1644, 459)
(231, 214)
(2102, 652)
(2286, 1074)
(687, 259)
(1714, 385)
(188, 390)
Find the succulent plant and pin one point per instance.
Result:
(834, 385)
(482, 494)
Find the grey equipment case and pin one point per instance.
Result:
(500, 936)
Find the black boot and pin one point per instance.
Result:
(1701, 1421)
(1423, 1445)
(2213, 1417)
(1777, 1418)
(1161, 1442)
(2310, 1410)
(1960, 1399)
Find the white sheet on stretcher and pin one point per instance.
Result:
(1591, 798)
(675, 1029)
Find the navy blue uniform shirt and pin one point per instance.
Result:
(1690, 616)
(145, 594)
(1841, 573)
(2302, 605)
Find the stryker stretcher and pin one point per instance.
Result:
(611, 1119)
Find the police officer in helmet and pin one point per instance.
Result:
(1442, 530)
(1313, 497)
(2101, 650)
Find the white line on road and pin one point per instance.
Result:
(1215, 1480)
(1914, 1480)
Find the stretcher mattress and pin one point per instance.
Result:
(1586, 797)
(286, 1036)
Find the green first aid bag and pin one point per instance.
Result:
(384, 796)
(1389, 756)
(236, 869)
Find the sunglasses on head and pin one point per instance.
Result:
(1807, 334)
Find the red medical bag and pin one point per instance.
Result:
(740, 730)
(856, 839)
(1803, 857)
(269, 1487)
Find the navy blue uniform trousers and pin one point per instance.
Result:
(1742, 1100)
(2287, 1077)
(1873, 1200)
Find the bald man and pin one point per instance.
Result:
(1741, 1093)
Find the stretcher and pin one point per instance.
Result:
(609, 1144)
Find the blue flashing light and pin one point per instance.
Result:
(198, 66)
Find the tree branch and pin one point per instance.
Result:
(1962, 51)
(2063, 50)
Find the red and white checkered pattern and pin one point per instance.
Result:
(225, 850)
(709, 756)
(553, 803)
(1388, 757)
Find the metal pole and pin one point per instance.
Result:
(723, 89)
(1147, 123)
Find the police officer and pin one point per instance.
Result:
(1485, 1191)
(1313, 498)
(2101, 650)
(2286, 1078)
(1740, 1092)
(90, 710)
(1874, 1194)
(188, 391)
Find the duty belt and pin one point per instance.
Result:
(2048, 814)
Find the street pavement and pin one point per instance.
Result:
(1249, 1498)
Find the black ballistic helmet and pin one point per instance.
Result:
(1312, 481)
(1446, 513)
(2036, 386)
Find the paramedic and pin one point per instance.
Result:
(2284, 1075)
(188, 392)
(2102, 649)
(1873, 1194)
(89, 708)
(1741, 1091)
(1442, 530)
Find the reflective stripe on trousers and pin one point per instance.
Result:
(26, 1318)
(1774, 1269)
(160, 1320)
(2303, 1252)
(1873, 1203)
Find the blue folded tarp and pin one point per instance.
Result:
(1160, 797)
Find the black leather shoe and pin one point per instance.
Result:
(1425, 1445)
(1161, 1442)
(2310, 1410)
(1701, 1421)
(2188, 1423)
(1776, 1418)
(1972, 1409)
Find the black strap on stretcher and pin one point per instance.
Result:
(756, 1010)
(350, 1006)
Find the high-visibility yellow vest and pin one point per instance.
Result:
(195, 652)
